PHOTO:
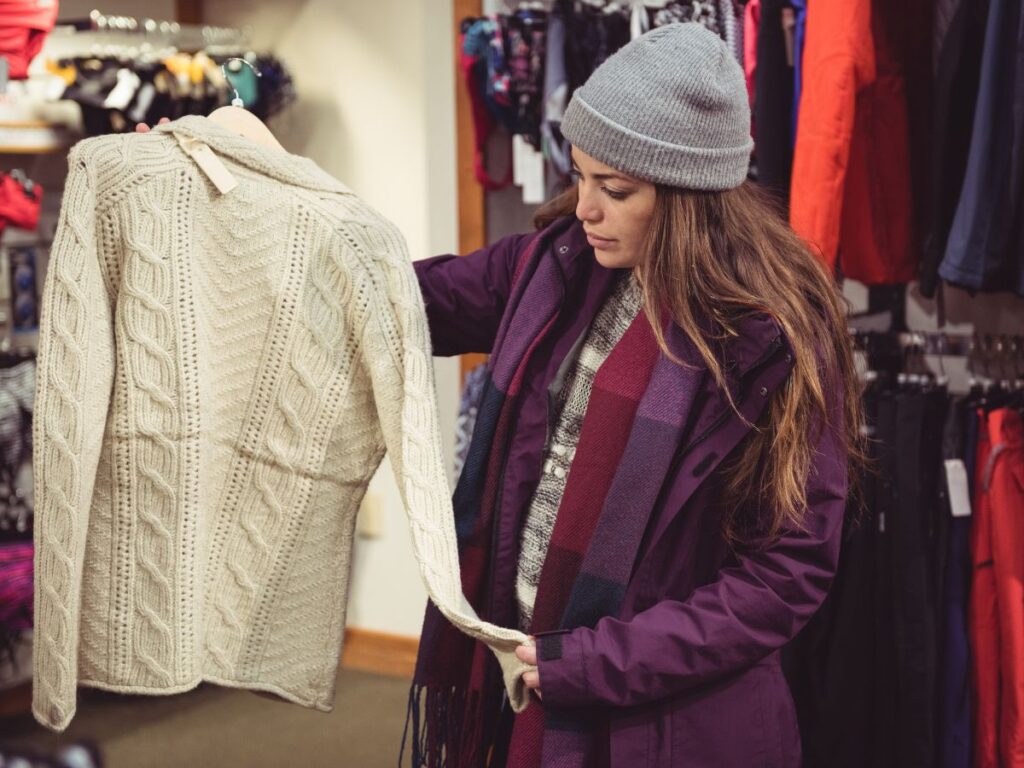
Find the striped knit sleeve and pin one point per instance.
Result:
(75, 372)
(402, 375)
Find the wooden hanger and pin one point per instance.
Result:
(245, 123)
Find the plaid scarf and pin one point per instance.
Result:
(632, 428)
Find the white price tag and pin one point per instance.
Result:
(519, 149)
(209, 163)
(959, 493)
(532, 175)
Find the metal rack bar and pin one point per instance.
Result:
(183, 36)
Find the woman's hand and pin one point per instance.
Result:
(143, 128)
(531, 678)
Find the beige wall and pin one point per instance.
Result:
(376, 110)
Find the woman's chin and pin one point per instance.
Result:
(612, 259)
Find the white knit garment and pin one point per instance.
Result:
(218, 379)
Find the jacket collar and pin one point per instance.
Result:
(275, 163)
(757, 333)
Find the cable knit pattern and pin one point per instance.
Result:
(219, 378)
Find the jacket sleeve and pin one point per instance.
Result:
(465, 296)
(73, 388)
(838, 50)
(751, 610)
(401, 370)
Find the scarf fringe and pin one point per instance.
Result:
(437, 731)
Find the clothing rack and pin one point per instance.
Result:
(991, 358)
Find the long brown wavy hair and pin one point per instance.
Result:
(720, 256)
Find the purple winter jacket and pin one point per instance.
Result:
(689, 671)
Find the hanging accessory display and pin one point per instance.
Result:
(147, 70)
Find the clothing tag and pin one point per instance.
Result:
(959, 496)
(121, 96)
(519, 148)
(532, 178)
(209, 163)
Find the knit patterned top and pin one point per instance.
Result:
(617, 313)
(218, 379)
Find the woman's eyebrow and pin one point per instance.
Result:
(602, 176)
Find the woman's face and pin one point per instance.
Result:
(616, 211)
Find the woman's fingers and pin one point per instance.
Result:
(532, 682)
(527, 654)
(143, 128)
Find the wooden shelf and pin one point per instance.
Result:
(16, 137)
(48, 150)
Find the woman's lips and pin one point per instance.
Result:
(599, 242)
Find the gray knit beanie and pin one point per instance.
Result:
(669, 107)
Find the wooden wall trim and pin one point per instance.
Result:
(379, 652)
(472, 203)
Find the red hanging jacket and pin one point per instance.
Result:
(19, 208)
(24, 25)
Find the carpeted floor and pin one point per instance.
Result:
(224, 728)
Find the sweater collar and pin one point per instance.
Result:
(275, 163)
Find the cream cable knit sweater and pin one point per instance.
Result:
(219, 377)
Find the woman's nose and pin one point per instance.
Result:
(586, 210)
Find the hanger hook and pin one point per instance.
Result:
(237, 100)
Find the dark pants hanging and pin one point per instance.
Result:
(955, 695)
(865, 671)
(832, 666)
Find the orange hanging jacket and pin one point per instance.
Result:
(850, 194)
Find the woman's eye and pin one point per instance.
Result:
(614, 194)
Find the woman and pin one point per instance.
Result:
(657, 479)
(656, 483)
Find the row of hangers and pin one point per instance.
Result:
(996, 361)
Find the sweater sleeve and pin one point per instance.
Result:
(398, 354)
(75, 373)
